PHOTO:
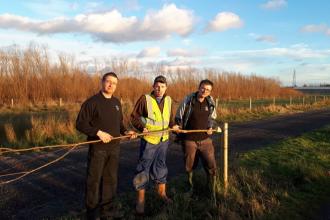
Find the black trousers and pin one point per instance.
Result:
(101, 182)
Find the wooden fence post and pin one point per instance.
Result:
(250, 104)
(60, 102)
(12, 103)
(290, 100)
(225, 157)
(274, 101)
(216, 103)
(303, 100)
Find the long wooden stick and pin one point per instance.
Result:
(73, 147)
(200, 130)
(10, 150)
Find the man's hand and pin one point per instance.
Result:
(132, 134)
(145, 130)
(104, 136)
(176, 128)
(210, 131)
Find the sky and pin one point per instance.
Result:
(270, 38)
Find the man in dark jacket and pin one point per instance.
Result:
(101, 117)
(197, 111)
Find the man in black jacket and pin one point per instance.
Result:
(101, 117)
(197, 111)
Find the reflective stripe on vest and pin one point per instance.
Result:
(156, 120)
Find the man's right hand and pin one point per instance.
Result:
(104, 136)
(145, 130)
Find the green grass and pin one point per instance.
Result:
(287, 180)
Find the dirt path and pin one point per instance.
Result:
(59, 189)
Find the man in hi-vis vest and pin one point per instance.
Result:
(153, 112)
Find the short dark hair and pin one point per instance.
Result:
(160, 79)
(104, 77)
(206, 82)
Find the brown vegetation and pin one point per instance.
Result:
(32, 76)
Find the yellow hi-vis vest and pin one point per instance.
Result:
(156, 120)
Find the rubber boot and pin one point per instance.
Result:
(161, 190)
(190, 182)
(212, 189)
(140, 201)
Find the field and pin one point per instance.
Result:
(274, 174)
(45, 125)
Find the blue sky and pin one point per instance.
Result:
(270, 38)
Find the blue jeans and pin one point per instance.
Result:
(151, 165)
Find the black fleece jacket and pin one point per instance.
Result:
(101, 113)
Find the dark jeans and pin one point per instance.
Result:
(151, 165)
(193, 150)
(101, 183)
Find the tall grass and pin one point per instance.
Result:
(21, 130)
(31, 76)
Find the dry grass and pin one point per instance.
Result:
(10, 133)
(28, 76)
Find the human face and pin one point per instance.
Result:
(109, 85)
(159, 89)
(204, 90)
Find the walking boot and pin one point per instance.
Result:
(140, 201)
(190, 181)
(161, 190)
(212, 188)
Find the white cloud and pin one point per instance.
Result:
(263, 38)
(178, 63)
(224, 21)
(180, 52)
(293, 52)
(274, 4)
(266, 38)
(316, 28)
(169, 19)
(111, 26)
(149, 52)
(186, 42)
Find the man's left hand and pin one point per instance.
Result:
(132, 134)
(176, 128)
(210, 131)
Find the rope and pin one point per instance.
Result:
(9, 150)
(27, 161)
(38, 168)
(74, 146)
